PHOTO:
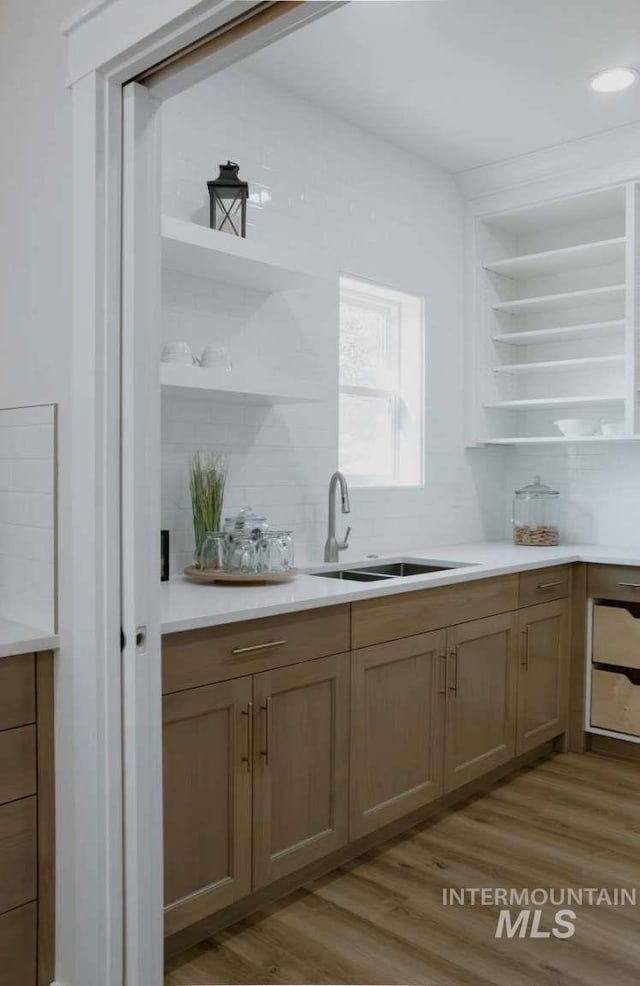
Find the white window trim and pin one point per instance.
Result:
(411, 318)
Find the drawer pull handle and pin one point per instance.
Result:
(256, 647)
(266, 708)
(551, 585)
(454, 658)
(249, 714)
(525, 650)
(629, 585)
(443, 691)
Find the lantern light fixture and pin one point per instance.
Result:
(228, 197)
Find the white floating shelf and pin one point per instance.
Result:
(562, 365)
(192, 382)
(566, 299)
(560, 333)
(536, 403)
(596, 254)
(561, 440)
(204, 252)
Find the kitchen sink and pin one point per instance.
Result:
(346, 575)
(387, 570)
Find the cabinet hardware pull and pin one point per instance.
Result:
(525, 654)
(266, 708)
(255, 647)
(629, 585)
(454, 657)
(550, 585)
(248, 712)
(443, 691)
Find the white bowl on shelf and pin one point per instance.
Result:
(576, 427)
(612, 429)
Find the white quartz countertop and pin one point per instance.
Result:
(16, 638)
(186, 606)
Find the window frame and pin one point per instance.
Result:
(399, 308)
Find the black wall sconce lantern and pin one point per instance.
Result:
(228, 196)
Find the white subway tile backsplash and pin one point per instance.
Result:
(318, 181)
(32, 475)
(27, 504)
(599, 488)
(31, 441)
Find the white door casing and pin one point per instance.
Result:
(140, 536)
(108, 731)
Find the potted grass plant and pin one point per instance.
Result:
(207, 478)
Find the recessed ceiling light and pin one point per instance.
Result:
(614, 79)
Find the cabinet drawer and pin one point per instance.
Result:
(17, 763)
(18, 949)
(544, 584)
(388, 618)
(18, 848)
(201, 657)
(616, 636)
(615, 701)
(614, 582)
(17, 691)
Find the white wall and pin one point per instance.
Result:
(599, 483)
(353, 203)
(27, 516)
(35, 313)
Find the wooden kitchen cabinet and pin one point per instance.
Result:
(542, 585)
(543, 664)
(481, 698)
(397, 729)
(27, 871)
(278, 752)
(301, 758)
(374, 621)
(207, 800)
(19, 946)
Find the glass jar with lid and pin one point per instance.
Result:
(536, 510)
(246, 522)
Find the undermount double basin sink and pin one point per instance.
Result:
(387, 570)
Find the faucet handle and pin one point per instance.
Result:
(343, 545)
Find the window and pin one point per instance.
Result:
(381, 385)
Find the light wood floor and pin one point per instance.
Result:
(569, 821)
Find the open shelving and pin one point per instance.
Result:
(562, 300)
(244, 387)
(554, 324)
(562, 439)
(562, 365)
(239, 282)
(597, 254)
(218, 256)
(561, 333)
(537, 403)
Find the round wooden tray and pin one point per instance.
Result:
(253, 578)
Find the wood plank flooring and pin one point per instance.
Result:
(569, 821)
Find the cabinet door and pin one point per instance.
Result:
(301, 744)
(544, 642)
(481, 698)
(18, 946)
(207, 800)
(397, 725)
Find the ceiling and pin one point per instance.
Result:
(464, 82)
